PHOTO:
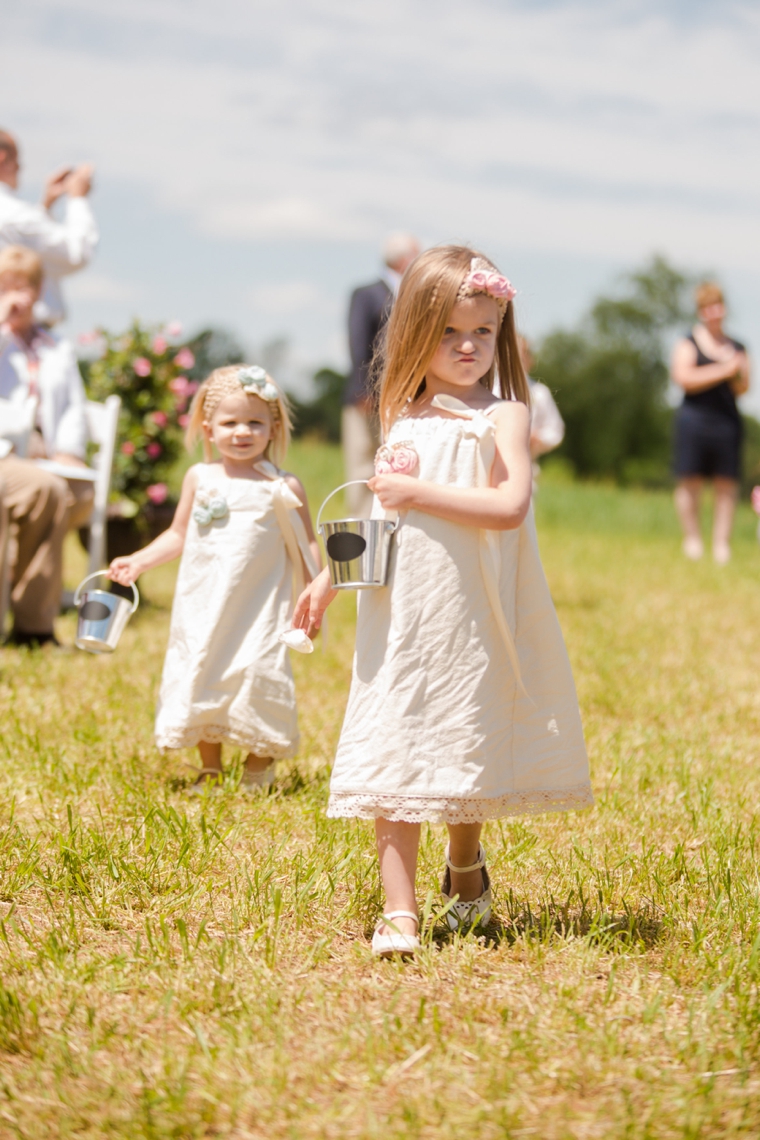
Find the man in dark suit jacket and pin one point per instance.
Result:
(368, 313)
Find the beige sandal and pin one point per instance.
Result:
(208, 780)
(465, 914)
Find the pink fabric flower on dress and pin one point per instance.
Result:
(396, 459)
(160, 345)
(157, 493)
(142, 366)
(160, 419)
(153, 450)
(184, 358)
(756, 500)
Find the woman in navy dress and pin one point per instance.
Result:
(712, 369)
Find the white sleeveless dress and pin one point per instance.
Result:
(226, 676)
(462, 705)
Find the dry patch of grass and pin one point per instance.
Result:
(178, 968)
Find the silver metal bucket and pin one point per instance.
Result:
(358, 550)
(102, 616)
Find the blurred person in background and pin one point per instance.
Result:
(64, 246)
(712, 369)
(367, 317)
(547, 428)
(39, 370)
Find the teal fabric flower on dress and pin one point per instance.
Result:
(209, 507)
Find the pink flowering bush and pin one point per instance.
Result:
(145, 367)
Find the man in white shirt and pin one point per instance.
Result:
(42, 415)
(547, 428)
(64, 246)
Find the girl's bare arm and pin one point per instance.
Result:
(502, 506)
(297, 488)
(166, 547)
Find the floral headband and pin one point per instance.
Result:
(252, 379)
(256, 382)
(483, 278)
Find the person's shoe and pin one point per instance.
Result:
(252, 781)
(209, 780)
(20, 637)
(394, 942)
(465, 914)
(693, 548)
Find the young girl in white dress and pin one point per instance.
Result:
(462, 705)
(243, 529)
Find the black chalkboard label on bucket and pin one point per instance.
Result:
(94, 611)
(345, 546)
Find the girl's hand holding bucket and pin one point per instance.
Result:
(395, 492)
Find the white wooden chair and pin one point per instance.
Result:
(102, 424)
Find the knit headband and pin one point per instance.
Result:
(252, 379)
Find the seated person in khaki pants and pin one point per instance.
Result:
(40, 506)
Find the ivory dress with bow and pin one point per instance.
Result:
(226, 676)
(462, 705)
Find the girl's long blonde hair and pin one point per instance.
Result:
(418, 319)
(226, 382)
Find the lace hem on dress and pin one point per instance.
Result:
(445, 809)
(188, 737)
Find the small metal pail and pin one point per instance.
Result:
(102, 616)
(358, 550)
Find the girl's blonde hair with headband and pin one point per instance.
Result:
(230, 381)
(430, 288)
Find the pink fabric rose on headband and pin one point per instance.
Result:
(396, 459)
(482, 281)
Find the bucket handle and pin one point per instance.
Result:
(390, 516)
(99, 574)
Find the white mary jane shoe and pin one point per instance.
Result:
(251, 781)
(386, 945)
(464, 914)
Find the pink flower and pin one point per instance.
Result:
(405, 459)
(153, 450)
(174, 328)
(184, 358)
(88, 337)
(183, 387)
(160, 345)
(142, 366)
(396, 459)
(160, 419)
(183, 421)
(128, 448)
(481, 281)
(756, 500)
(157, 493)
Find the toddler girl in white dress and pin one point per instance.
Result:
(243, 529)
(462, 705)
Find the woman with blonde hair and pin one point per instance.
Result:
(462, 705)
(712, 369)
(243, 529)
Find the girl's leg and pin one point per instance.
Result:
(464, 841)
(211, 759)
(397, 845)
(687, 497)
(723, 518)
(257, 763)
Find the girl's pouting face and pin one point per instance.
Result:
(467, 348)
(241, 427)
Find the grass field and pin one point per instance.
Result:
(200, 968)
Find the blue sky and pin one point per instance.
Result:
(251, 157)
